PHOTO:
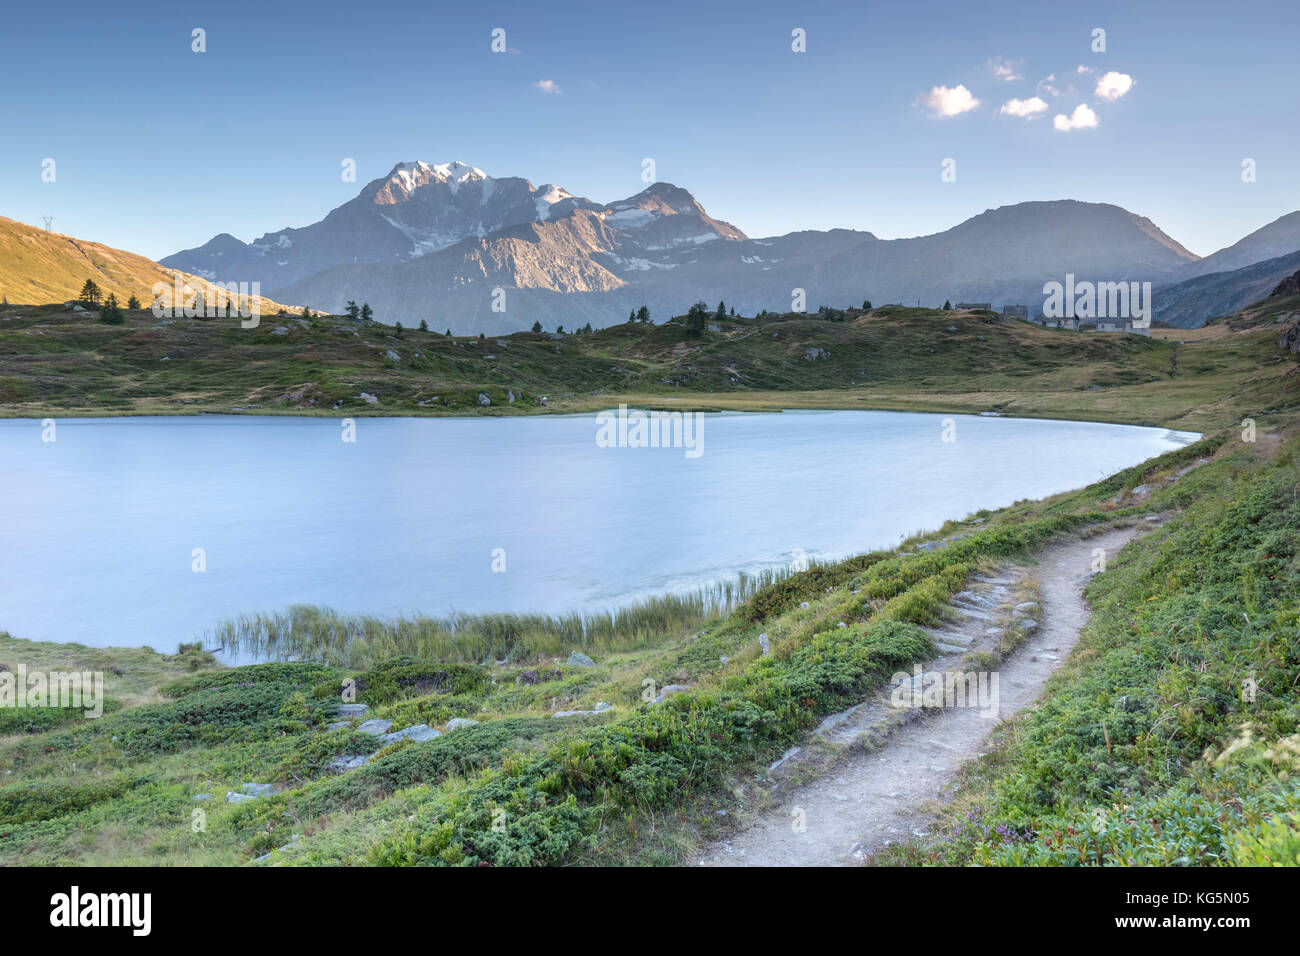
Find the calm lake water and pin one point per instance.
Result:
(100, 525)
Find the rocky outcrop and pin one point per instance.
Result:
(1288, 286)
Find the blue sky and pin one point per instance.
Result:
(158, 148)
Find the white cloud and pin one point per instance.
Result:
(1028, 108)
(1003, 70)
(1082, 118)
(1114, 85)
(548, 86)
(944, 101)
(1047, 85)
(1084, 69)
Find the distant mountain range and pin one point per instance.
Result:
(433, 242)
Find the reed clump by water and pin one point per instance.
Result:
(305, 632)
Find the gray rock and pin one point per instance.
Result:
(344, 764)
(392, 356)
(337, 725)
(456, 723)
(418, 733)
(1141, 490)
(202, 797)
(232, 797)
(601, 707)
(257, 789)
(375, 727)
(765, 644)
(483, 399)
(1028, 624)
(353, 710)
(669, 691)
(578, 659)
(784, 757)
(368, 398)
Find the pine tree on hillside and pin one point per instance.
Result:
(947, 305)
(866, 305)
(352, 311)
(696, 317)
(397, 330)
(90, 292)
(424, 326)
(133, 303)
(306, 312)
(110, 312)
(631, 317)
(722, 311)
(643, 315)
(537, 326)
(449, 333)
(366, 314)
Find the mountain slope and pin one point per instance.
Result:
(38, 266)
(416, 209)
(1279, 238)
(1190, 304)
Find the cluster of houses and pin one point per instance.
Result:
(1086, 325)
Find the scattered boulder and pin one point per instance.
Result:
(353, 710)
(483, 399)
(766, 644)
(578, 659)
(456, 723)
(344, 764)
(418, 733)
(815, 354)
(202, 797)
(392, 356)
(375, 727)
(669, 691)
(257, 789)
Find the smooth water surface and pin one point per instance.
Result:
(100, 525)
